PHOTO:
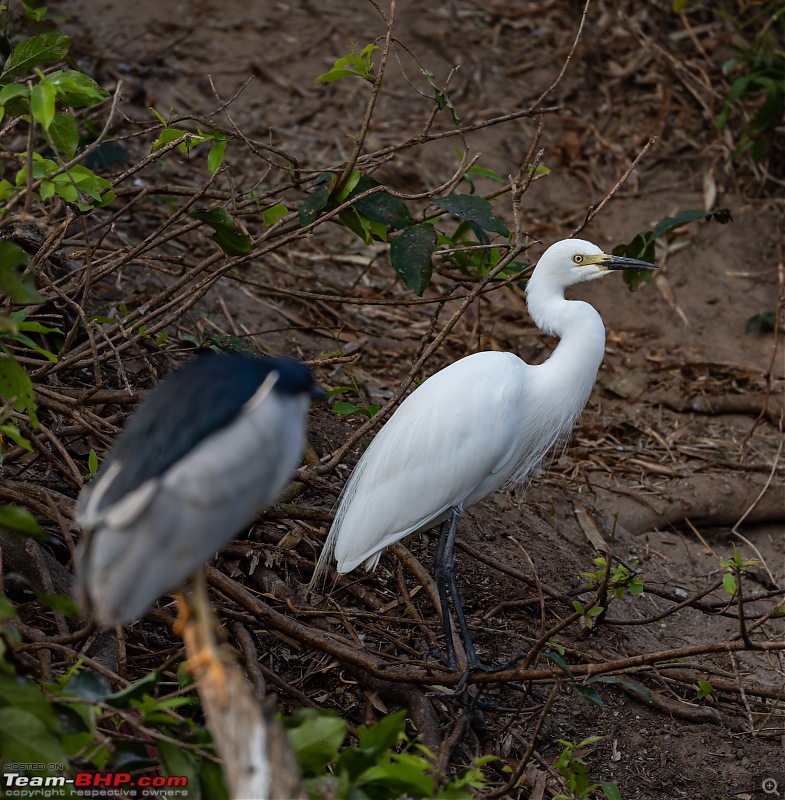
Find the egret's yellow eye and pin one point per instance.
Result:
(577, 259)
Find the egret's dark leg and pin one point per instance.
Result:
(445, 578)
(441, 585)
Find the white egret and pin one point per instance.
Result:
(209, 446)
(484, 422)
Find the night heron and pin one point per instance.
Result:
(208, 447)
(484, 422)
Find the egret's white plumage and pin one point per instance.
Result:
(483, 422)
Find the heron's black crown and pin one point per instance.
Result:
(205, 395)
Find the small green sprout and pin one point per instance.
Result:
(735, 566)
(704, 689)
(575, 772)
(589, 616)
(621, 580)
(353, 65)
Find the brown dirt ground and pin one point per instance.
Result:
(646, 449)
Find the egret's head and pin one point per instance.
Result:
(574, 260)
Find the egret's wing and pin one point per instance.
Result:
(442, 446)
(193, 510)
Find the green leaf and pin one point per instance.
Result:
(381, 207)
(227, 235)
(216, 155)
(587, 693)
(351, 66)
(483, 172)
(20, 288)
(406, 773)
(473, 209)
(59, 603)
(385, 734)
(15, 386)
(42, 104)
(67, 191)
(20, 693)
(137, 690)
(92, 462)
(761, 323)
(34, 51)
(271, 215)
(411, 255)
(211, 781)
(668, 224)
(13, 433)
(729, 583)
(25, 738)
(442, 100)
(374, 741)
(336, 74)
(611, 791)
(6, 190)
(88, 685)
(159, 117)
(342, 407)
(348, 186)
(560, 663)
(317, 200)
(627, 683)
(7, 611)
(28, 342)
(75, 89)
(357, 223)
(177, 761)
(33, 12)
(166, 136)
(316, 738)
(64, 134)
(11, 91)
(129, 756)
(19, 519)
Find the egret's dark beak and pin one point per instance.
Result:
(620, 262)
(317, 393)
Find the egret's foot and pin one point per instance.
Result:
(477, 665)
(443, 659)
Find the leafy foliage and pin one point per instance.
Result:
(383, 765)
(55, 726)
(572, 767)
(20, 520)
(62, 727)
(736, 565)
(474, 209)
(758, 74)
(187, 141)
(642, 246)
(704, 690)
(621, 579)
(353, 65)
(412, 256)
(227, 236)
(761, 323)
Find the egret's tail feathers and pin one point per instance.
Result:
(319, 577)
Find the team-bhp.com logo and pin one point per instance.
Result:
(93, 784)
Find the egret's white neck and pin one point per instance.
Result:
(572, 368)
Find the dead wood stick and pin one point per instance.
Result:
(257, 759)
